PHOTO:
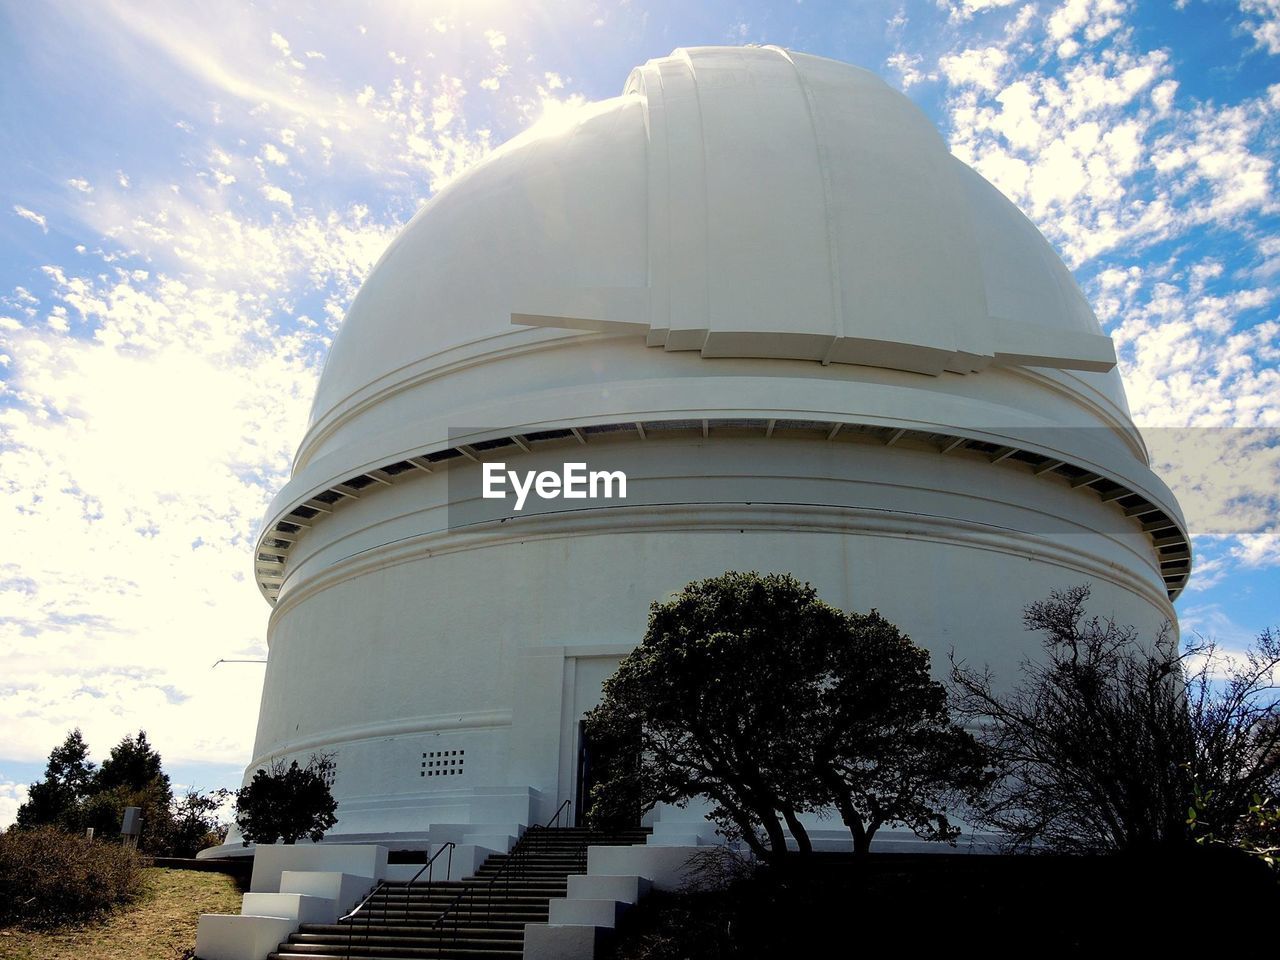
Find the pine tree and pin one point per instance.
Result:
(134, 764)
(68, 778)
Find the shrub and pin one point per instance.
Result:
(1107, 741)
(286, 803)
(48, 877)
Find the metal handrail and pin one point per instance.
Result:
(519, 854)
(383, 884)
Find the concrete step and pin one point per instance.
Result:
(505, 939)
(393, 947)
(315, 933)
(479, 884)
(486, 912)
(462, 914)
(417, 928)
(339, 952)
(482, 893)
(499, 913)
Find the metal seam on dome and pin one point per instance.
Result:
(1175, 576)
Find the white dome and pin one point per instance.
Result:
(743, 202)
(737, 205)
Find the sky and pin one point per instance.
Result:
(190, 196)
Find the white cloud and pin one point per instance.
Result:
(274, 155)
(908, 67)
(1262, 20)
(973, 67)
(277, 195)
(32, 216)
(12, 796)
(961, 10)
(79, 183)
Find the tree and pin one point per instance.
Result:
(715, 692)
(750, 691)
(194, 823)
(132, 775)
(1107, 741)
(287, 802)
(132, 763)
(885, 747)
(68, 777)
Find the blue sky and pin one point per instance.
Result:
(192, 194)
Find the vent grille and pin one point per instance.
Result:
(443, 763)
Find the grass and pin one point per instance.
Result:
(160, 925)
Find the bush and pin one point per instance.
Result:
(1107, 740)
(48, 877)
(286, 803)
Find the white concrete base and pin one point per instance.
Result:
(344, 889)
(467, 858)
(298, 907)
(677, 840)
(627, 890)
(590, 913)
(272, 859)
(458, 832)
(552, 941)
(683, 832)
(229, 936)
(501, 842)
(666, 867)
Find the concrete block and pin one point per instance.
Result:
(270, 860)
(590, 913)
(298, 907)
(585, 886)
(675, 840)
(554, 941)
(666, 867)
(500, 842)
(703, 830)
(344, 889)
(229, 936)
(440, 832)
(467, 858)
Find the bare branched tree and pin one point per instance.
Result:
(1109, 739)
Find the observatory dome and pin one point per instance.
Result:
(815, 340)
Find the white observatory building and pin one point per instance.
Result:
(815, 342)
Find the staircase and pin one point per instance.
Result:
(481, 917)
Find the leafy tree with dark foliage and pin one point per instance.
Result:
(750, 691)
(1108, 741)
(287, 802)
(885, 748)
(68, 777)
(133, 763)
(716, 692)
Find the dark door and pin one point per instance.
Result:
(617, 761)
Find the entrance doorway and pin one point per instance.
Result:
(598, 761)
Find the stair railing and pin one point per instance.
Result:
(512, 868)
(383, 885)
